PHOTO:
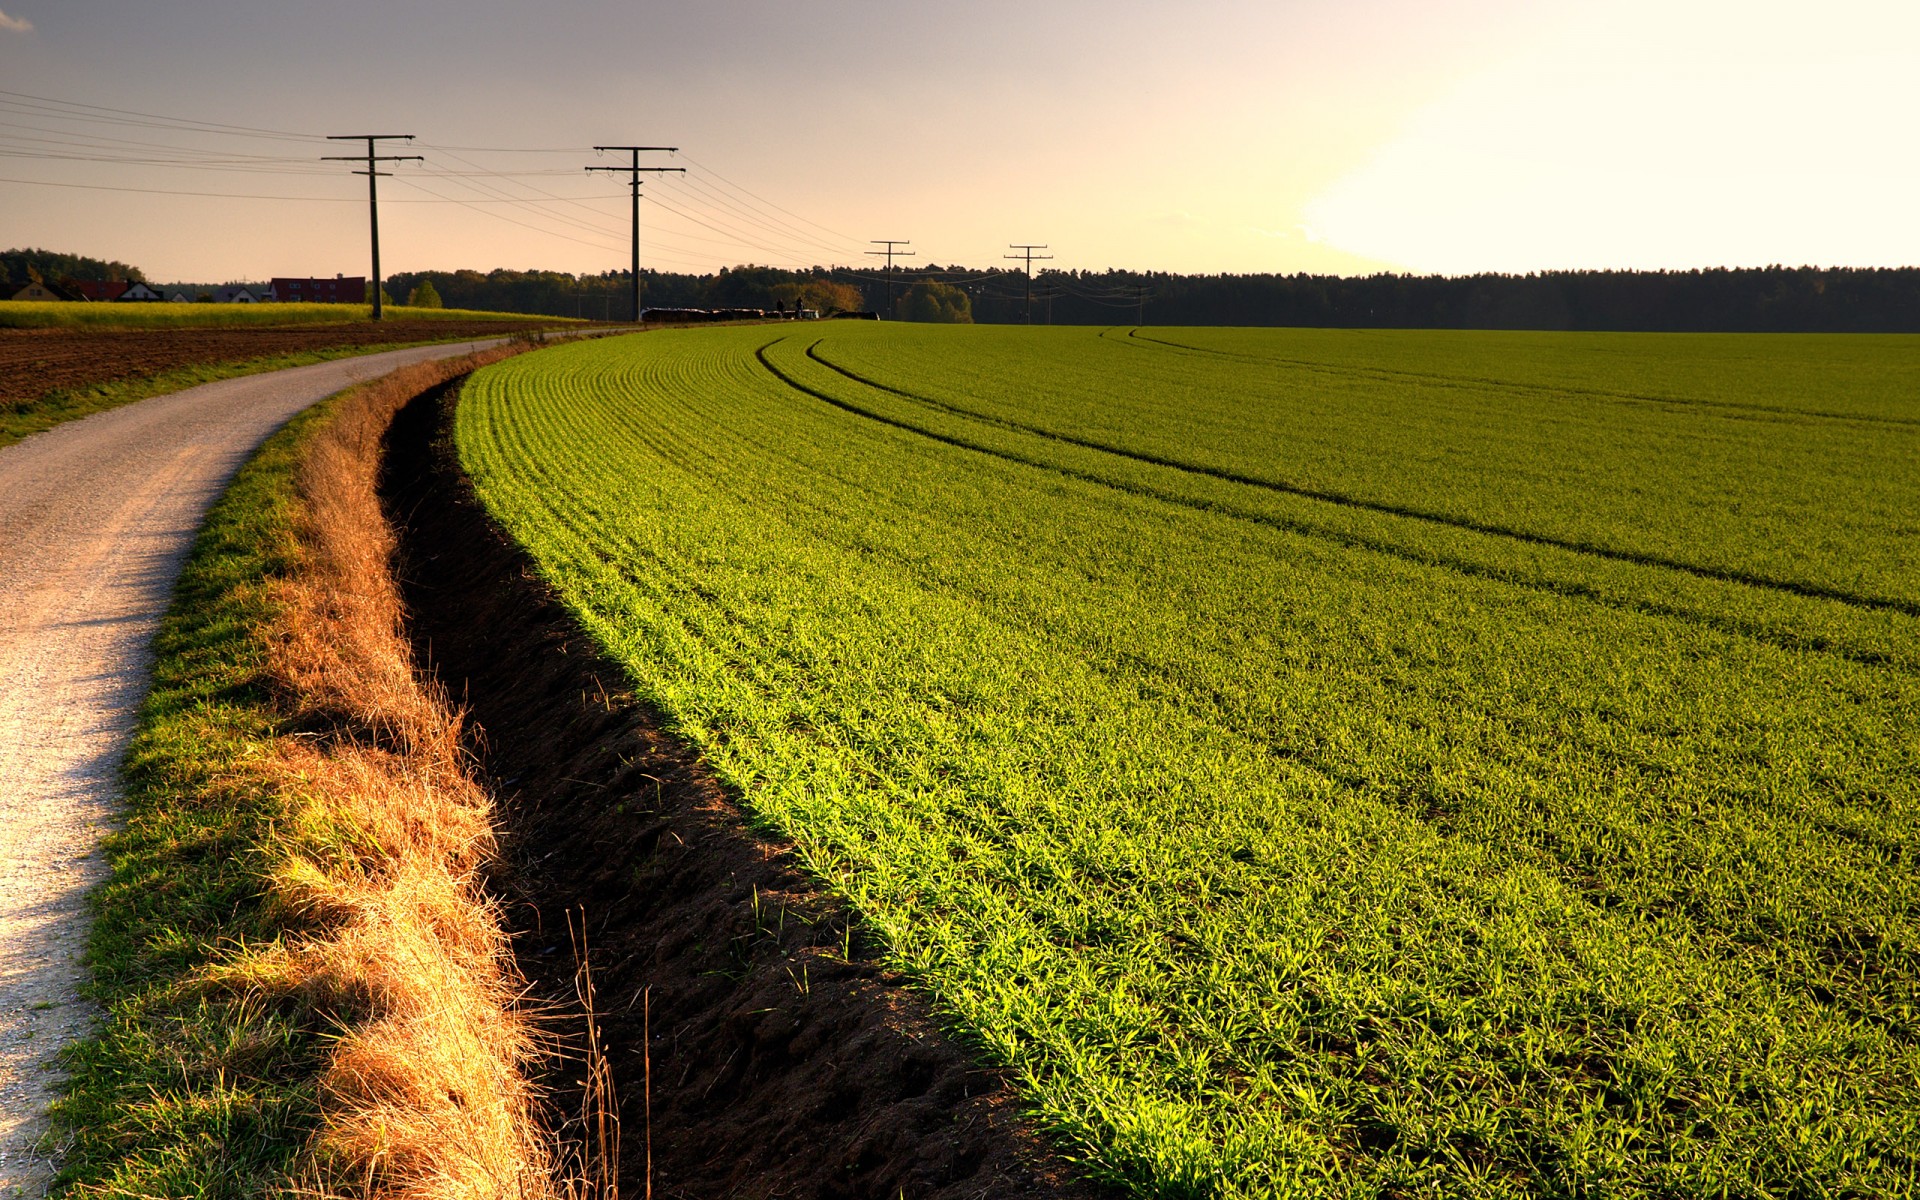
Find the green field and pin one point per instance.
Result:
(40, 314)
(1315, 762)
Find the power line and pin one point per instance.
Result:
(491, 192)
(844, 238)
(780, 229)
(475, 205)
(61, 109)
(634, 170)
(737, 237)
(373, 159)
(104, 187)
(48, 129)
(1027, 254)
(892, 248)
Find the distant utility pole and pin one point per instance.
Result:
(1027, 253)
(634, 171)
(373, 174)
(891, 250)
(1143, 305)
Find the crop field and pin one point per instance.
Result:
(1312, 762)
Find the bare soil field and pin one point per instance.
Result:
(35, 362)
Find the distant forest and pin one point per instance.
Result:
(46, 266)
(1762, 299)
(1766, 299)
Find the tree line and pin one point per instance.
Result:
(1759, 299)
(23, 266)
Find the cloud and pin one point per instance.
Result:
(15, 24)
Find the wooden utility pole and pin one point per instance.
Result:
(890, 252)
(1027, 253)
(373, 174)
(634, 170)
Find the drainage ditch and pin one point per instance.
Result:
(780, 1064)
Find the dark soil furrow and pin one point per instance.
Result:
(785, 1061)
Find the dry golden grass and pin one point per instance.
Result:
(378, 865)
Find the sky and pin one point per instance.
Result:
(1336, 136)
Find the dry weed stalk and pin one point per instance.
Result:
(426, 1095)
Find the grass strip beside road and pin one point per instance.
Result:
(303, 987)
(187, 1091)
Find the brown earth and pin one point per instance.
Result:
(785, 1060)
(34, 362)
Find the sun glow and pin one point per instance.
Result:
(1650, 135)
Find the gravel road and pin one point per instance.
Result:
(96, 517)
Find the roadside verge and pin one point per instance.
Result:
(304, 984)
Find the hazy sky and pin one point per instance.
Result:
(1348, 136)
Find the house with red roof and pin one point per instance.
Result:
(341, 289)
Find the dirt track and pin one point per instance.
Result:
(34, 362)
(96, 517)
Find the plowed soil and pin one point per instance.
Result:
(34, 362)
(785, 1059)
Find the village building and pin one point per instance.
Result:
(116, 290)
(36, 290)
(341, 289)
(98, 289)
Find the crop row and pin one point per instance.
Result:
(1277, 841)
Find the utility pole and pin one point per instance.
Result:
(890, 252)
(634, 171)
(373, 174)
(1027, 253)
(1143, 305)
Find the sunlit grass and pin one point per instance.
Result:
(1315, 767)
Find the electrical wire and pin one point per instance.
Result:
(101, 187)
(34, 127)
(768, 203)
(63, 110)
(784, 230)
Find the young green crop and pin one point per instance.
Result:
(1399, 765)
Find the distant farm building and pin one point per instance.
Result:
(38, 291)
(341, 289)
(98, 289)
(234, 293)
(116, 290)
